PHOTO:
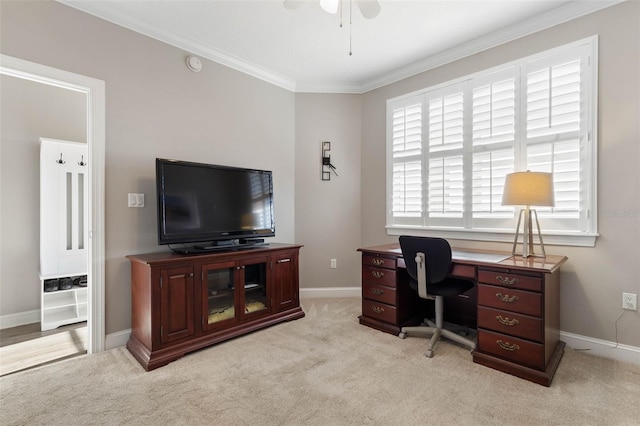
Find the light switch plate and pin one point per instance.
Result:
(135, 200)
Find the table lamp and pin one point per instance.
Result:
(528, 189)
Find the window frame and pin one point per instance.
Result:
(588, 157)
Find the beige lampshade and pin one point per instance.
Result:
(528, 189)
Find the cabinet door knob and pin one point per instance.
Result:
(191, 274)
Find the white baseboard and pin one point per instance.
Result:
(602, 348)
(330, 292)
(21, 318)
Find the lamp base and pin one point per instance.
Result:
(527, 234)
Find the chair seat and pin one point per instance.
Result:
(449, 287)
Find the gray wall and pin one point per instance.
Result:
(593, 279)
(328, 212)
(156, 107)
(28, 111)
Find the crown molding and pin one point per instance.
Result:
(559, 15)
(182, 42)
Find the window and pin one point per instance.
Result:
(450, 147)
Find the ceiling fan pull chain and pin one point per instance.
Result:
(350, 24)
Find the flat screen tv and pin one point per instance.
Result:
(219, 207)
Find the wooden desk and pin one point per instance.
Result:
(516, 303)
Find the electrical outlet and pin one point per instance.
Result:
(334, 263)
(630, 301)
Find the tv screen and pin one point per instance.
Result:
(201, 203)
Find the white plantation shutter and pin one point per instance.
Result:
(445, 188)
(562, 159)
(489, 171)
(494, 111)
(555, 126)
(493, 138)
(553, 99)
(407, 189)
(407, 160)
(450, 147)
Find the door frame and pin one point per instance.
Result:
(94, 90)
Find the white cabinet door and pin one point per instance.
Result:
(64, 220)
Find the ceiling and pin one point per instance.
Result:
(305, 50)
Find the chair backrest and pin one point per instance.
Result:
(437, 253)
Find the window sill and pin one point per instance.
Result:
(559, 239)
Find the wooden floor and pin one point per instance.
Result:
(26, 346)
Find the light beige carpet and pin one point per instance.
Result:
(324, 369)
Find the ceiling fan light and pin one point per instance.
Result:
(369, 8)
(330, 6)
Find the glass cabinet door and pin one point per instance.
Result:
(219, 301)
(255, 294)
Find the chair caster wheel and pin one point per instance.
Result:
(428, 354)
(402, 335)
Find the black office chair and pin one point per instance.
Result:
(428, 262)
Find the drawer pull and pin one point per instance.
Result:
(506, 298)
(507, 321)
(377, 309)
(377, 291)
(507, 346)
(284, 260)
(377, 262)
(507, 280)
(377, 274)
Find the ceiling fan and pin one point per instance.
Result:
(369, 8)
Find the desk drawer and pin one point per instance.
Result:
(506, 279)
(524, 302)
(511, 323)
(379, 262)
(379, 293)
(379, 311)
(378, 276)
(512, 348)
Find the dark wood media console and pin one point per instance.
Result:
(182, 303)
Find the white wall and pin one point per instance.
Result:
(28, 111)
(328, 212)
(156, 107)
(593, 279)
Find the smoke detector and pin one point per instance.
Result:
(194, 64)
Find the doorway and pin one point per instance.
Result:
(94, 91)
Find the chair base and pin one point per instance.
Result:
(436, 333)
